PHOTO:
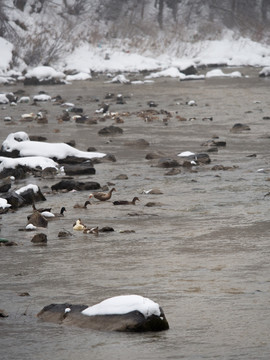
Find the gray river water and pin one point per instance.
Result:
(202, 252)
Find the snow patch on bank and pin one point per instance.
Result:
(6, 55)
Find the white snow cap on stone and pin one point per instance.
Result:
(124, 304)
(4, 204)
(21, 142)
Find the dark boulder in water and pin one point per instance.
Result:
(39, 239)
(85, 168)
(238, 127)
(75, 185)
(38, 220)
(110, 130)
(168, 163)
(130, 321)
(19, 172)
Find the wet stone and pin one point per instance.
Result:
(111, 130)
(239, 127)
(40, 238)
(167, 163)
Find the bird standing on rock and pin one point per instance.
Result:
(102, 196)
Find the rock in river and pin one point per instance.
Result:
(130, 313)
(75, 185)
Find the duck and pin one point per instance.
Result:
(63, 209)
(84, 206)
(41, 119)
(102, 196)
(49, 214)
(93, 230)
(125, 202)
(79, 225)
(40, 209)
(28, 117)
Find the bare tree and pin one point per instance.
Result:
(20, 4)
(77, 8)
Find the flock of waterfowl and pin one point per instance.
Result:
(41, 216)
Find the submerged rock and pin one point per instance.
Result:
(167, 163)
(110, 130)
(141, 143)
(39, 239)
(238, 127)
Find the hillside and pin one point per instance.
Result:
(44, 32)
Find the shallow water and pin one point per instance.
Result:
(203, 254)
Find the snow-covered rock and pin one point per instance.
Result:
(265, 71)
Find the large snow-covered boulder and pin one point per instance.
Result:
(132, 313)
(265, 72)
(43, 75)
(20, 144)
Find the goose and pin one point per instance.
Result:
(102, 196)
(79, 206)
(79, 225)
(125, 202)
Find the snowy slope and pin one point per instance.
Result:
(90, 35)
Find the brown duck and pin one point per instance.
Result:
(93, 230)
(84, 206)
(102, 196)
(125, 202)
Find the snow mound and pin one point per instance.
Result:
(170, 72)
(33, 187)
(124, 304)
(79, 76)
(42, 97)
(29, 161)
(21, 142)
(220, 73)
(45, 73)
(265, 71)
(3, 99)
(4, 204)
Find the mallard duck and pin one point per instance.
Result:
(49, 214)
(79, 225)
(79, 206)
(125, 202)
(102, 196)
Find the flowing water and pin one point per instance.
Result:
(202, 252)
